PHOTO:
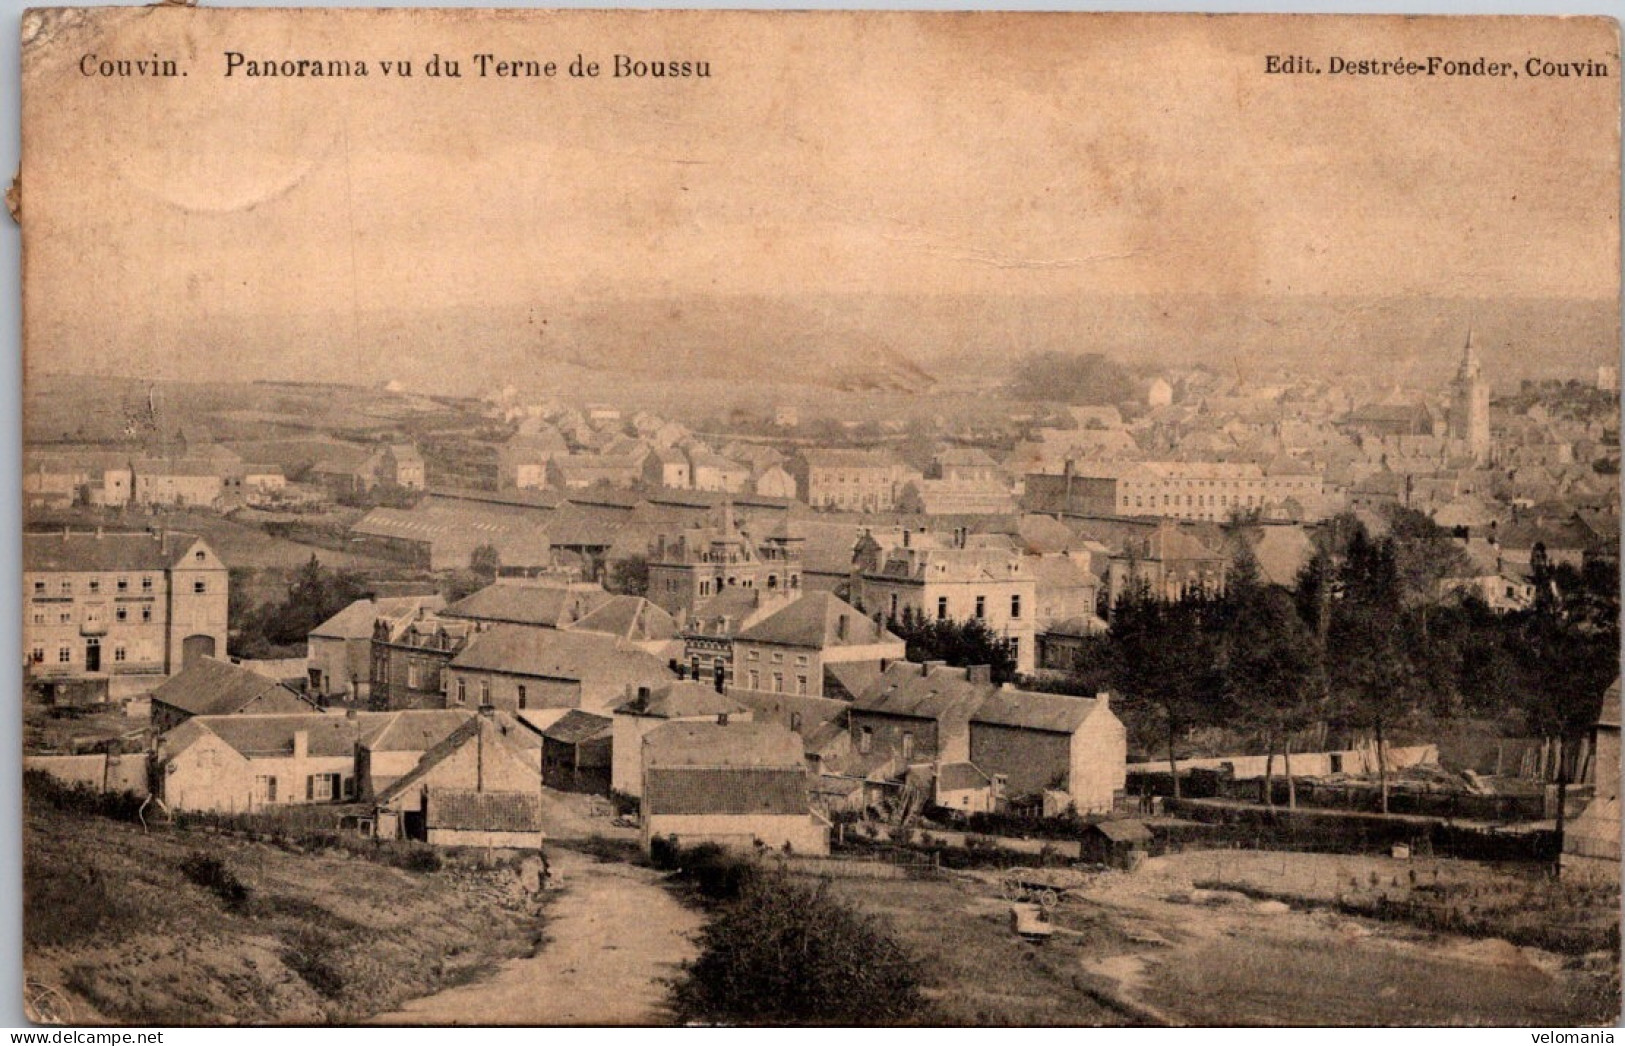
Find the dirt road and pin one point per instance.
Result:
(615, 940)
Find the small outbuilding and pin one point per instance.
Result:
(1115, 843)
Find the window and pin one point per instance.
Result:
(198, 555)
(65, 618)
(801, 685)
(485, 691)
(795, 721)
(265, 788)
(146, 614)
(146, 584)
(118, 653)
(1015, 648)
(39, 618)
(200, 586)
(908, 744)
(801, 660)
(778, 682)
(37, 655)
(64, 654)
(67, 588)
(414, 676)
(121, 614)
(521, 695)
(349, 788)
(778, 657)
(866, 740)
(320, 788)
(942, 608)
(754, 655)
(981, 606)
(39, 588)
(123, 584)
(755, 679)
(705, 588)
(95, 585)
(462, 691)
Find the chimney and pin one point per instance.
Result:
(301, 745)
(928, 667)
(643, 694)
(1104, 697)
(98, 533)
(979, 674)
(840, 628)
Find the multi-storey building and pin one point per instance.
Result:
(409, 659)
(705, 561)
(950, 580)
(120, 612)
(847, 480)
(1179, 489)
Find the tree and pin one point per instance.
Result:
(486, 562)
(788, 953)
(959, 643)
(1368, 655)
(1272, 669)
(1163, 662)
(629, 576)
(314, 594)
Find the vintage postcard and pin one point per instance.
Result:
(822, 518)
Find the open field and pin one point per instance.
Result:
(1155, 947)
(119, 932)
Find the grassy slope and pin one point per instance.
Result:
(110, 920)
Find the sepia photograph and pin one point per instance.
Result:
(927, 519)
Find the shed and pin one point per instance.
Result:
(1112, 842)
(577, 752)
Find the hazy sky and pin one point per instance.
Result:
(272, 227)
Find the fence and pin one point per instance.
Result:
(1332, 831)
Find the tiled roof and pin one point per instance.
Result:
(1052, 713)
(84, 551)
(551, 606)
(417, 730)
(576, 726)
(814, 622)
(629, 617)
(356, 620)
(498, 729)
(905, 689)
(1124, 831)
(211, 687)
(737, 745)
(458, 808)
(725, 792)
(681, 699)
(586, 657)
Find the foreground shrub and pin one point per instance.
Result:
(212, 874)
(783, 953)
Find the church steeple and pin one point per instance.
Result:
(1470, 403)
(1469, 368)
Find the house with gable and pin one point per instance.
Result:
(646, 708)
(208, 687)
(788, 651)
(480, 786)
(740, 785)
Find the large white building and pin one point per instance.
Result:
(120, 613)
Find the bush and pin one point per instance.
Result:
(312, 955)
(212, 874)
(717, 873)
(80, 798)
(787, 954)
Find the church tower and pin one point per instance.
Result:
(1470, 404)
